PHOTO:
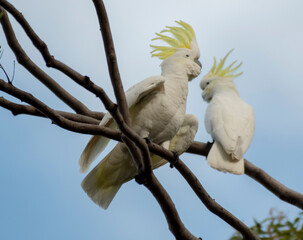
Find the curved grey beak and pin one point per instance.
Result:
(199, 63)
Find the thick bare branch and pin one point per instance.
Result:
(111, 59)
(17, 109)
(175, 224)
(153, 185)
(82, 80)
(211, 204)
(25, 61)
(137, 146)
(284, 193)
(55, 117)
(197, 187)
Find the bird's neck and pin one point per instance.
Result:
(174, 70)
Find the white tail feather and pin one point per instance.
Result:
(217, 158)
(95, 145)
(98, 184)
(92, 150)
(104, 181)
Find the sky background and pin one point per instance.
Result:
(40, 192)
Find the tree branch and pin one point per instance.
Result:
(199, 148)
(136, 145)
(144, 167)
(284, 193)
(112, 59)
(43, 49)
(211, 204)
(150, 181)
(25, 61)
(55, 117)
(17, 109)
(197, 187)
(175, 224)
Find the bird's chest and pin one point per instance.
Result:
(223, 110)
(160, 117)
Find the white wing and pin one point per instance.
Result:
(181, 141)
(230, 121)
(133, 95)
(185, 136)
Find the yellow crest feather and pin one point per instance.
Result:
(183, 37)
(219, 71)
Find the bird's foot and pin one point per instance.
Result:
(142, 178)
(176, 159)
(209, 145)
(147, 140)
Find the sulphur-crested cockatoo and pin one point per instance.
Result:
(157, 110)
(228, 119)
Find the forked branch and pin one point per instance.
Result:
(86, 121)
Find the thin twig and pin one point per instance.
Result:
(25, 61)
(43, 49)
(7, 77)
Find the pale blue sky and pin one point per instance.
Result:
(41, 197)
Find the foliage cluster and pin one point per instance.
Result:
(277, 227)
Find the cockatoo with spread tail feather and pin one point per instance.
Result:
(157, 111)
(228, 119)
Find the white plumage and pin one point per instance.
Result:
(185, 136)
(157, 109)
(228, 119)
(181, 141)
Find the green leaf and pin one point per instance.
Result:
(277, 227)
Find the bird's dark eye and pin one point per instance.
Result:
(207, 83)
(186, 55)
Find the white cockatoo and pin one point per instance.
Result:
(157, 111)
(228, 119)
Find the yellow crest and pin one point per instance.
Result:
(219, 71)
(184, 36)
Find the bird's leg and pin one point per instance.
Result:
(209, 145)
(147, 140)
(142, 178)
(176, 159)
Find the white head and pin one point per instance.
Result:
(183, 52)
(219, 78)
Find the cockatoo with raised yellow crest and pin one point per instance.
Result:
(157, 110)
(228, 119)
